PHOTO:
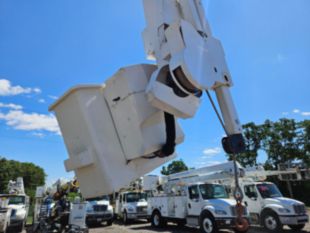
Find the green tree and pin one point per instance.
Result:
(281, 142)
(304, 141)
(174, 167)
(33, 175)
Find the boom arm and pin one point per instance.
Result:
(190, 60)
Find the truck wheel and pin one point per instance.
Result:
(156, 220)
(297, 227)
(271, 222)
(109, 222)
(125, 218)
(181, 223)
(207, 223)
(21, 227)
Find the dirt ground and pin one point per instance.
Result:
(145, 227)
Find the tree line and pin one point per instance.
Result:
(284, 141)
(32, 174)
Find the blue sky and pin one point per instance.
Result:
(47, 47)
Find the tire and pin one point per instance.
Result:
(181, 224)
(297, 227)
(237, 231)
(110, 222)
(271, 222)
(125, 218)
(21, 227)
(157, 220)
(207, 223)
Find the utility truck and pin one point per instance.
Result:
(266, 204)
(188, 198)
(18, 203)
(131, 205)
(99, 210)
(5, 214)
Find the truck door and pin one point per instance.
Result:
(193, 203)
(252, 201)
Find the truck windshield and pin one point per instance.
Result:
(213, 191)
(101, 198)
(269, 190)
(135, 197)
(15, 200)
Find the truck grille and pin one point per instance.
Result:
(234, 212)
(142, 209)
(100, 208)
(300, 209)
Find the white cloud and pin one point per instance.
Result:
(42, 101)
(11, 106)
(302, 113)
(7, 89)
(212, 151)
(38, 134)
(20, 120)
(53, 97)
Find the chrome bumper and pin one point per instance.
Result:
(294, 219)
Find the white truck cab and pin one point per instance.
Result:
(204, 205)
(19, 205)
(99, 210)
(131, 205)
(268, 207)
(5, 214)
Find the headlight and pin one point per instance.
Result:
(130, 209)
(220, 212)
(284, 210)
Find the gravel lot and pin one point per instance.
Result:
(144, 227)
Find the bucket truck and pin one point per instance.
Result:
(266, 204)
(264, 201)
(5, 214)
(188, 198)
(118, 131)
(18, 202)
(99, 210)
